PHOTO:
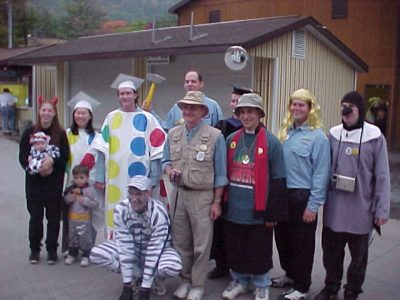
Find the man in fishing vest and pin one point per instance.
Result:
(195, 162)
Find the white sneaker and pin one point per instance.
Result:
(195, 294)
(282, 281)
(158, 288)
(182, 291)
(261, 294)
(85, 262)
(69, 260)
(293, 294)
(233, 290)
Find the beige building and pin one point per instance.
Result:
(285, 54)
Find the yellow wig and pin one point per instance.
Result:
(313, 121)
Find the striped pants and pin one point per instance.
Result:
(106, 256)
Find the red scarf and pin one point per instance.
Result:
(261, 170)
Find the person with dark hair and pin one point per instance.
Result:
(193, 82)
(7, 106)
(218, 252)
(132, 143)
(80, 136)
(358, 198)
(44, 190)
(81, 199)
(255, 200)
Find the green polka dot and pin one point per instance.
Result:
(114, 144)
(113, 169)
(105, 133)
(72, 139)
(113, 194)
(116, 121)
(110, 218)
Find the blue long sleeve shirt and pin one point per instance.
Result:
(219, 158)
(307, 160)
(174, 117)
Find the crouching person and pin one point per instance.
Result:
(142, 249)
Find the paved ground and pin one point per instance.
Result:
(21, 280)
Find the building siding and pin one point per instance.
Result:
(322, 72)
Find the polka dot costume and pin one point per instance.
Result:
(129, 140)
(78, 145)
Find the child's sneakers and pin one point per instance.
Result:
(85, 262)
(70, 260)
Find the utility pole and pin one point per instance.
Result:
(10, 23)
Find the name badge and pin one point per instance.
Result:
(200, 156)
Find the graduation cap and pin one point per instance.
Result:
(241, 90)
(83, 100)
(127, 81)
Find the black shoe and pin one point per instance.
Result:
(350, 295)
(218, 273)
(126, 293)
(52, 258)
(326, 294)
(34, 257)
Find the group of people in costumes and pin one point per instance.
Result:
(242, 179)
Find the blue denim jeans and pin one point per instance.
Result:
(4, 119)
(11, 117)
(259, 280)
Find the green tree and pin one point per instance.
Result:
(83, 17)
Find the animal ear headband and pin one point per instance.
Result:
(53, 100)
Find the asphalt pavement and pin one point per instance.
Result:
(21, 280)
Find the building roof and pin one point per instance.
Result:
(7, 54)
(173, 9)
(220, 36)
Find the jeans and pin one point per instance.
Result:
(4, 119)
(11, 117)
(8, 118)
(259, 281)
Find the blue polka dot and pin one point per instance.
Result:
(140, 122)
(136, 168)
(91, 138)
(138, 146)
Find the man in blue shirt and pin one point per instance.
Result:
(307, 159)
(193, 82)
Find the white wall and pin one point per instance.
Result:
(95, 77)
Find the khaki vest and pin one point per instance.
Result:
(194, 159)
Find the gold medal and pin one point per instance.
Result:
(233, 145)
(245, 159)
(203, 147)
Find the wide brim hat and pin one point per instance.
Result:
(127, 81)
(140, 182)
(250, 100)
(193, 98)
(83, 100)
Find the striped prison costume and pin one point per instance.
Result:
(141, 241)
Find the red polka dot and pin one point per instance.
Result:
(157, 137)
(88, 160)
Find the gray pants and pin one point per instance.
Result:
(80, 237)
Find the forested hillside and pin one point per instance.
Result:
(68, 19)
